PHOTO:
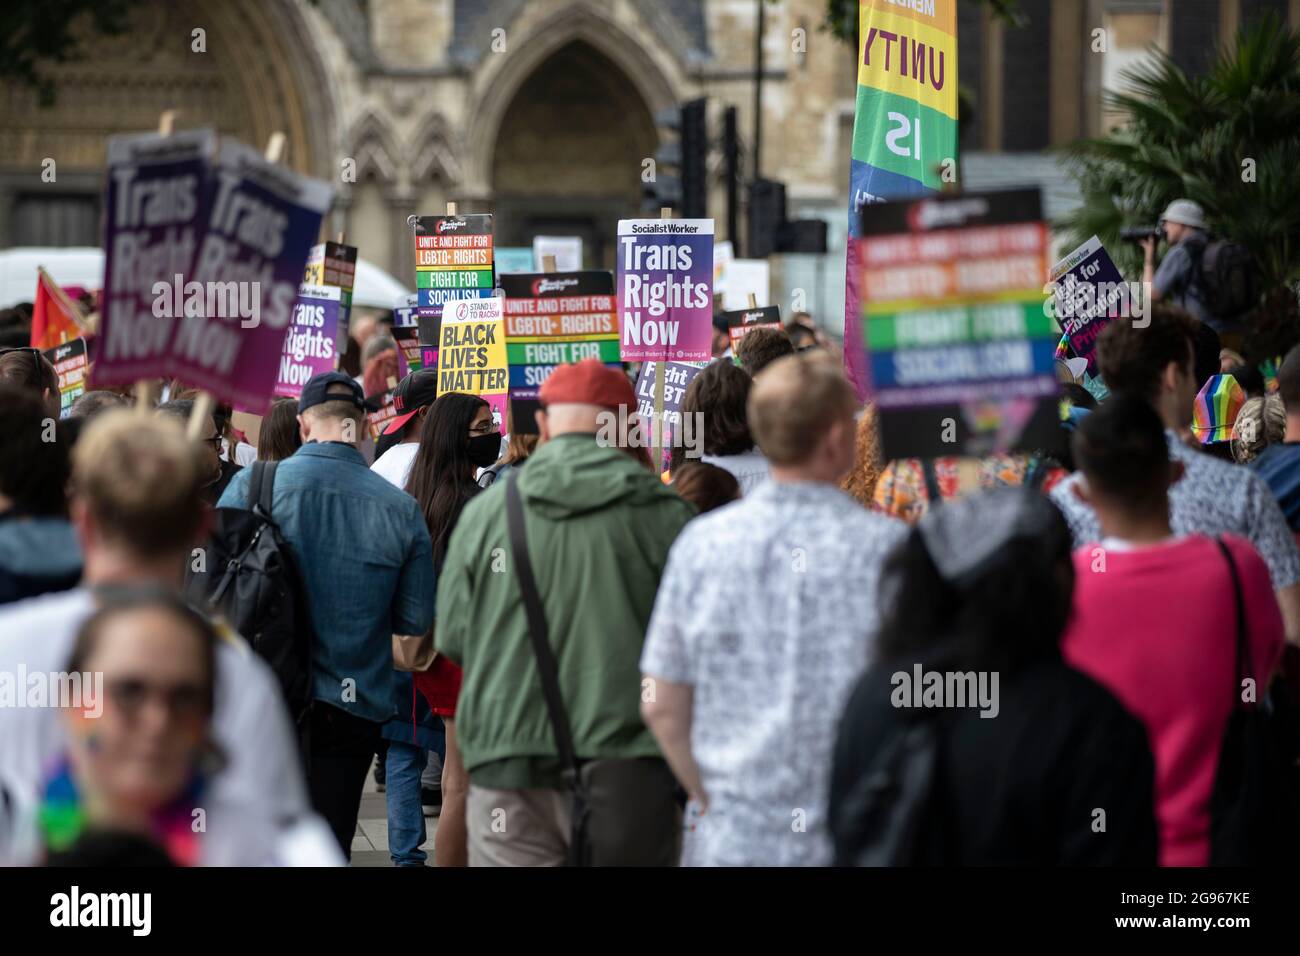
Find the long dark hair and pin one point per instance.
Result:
(1013, 615)
(442, 475)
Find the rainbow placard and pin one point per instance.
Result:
(555, 318)
(961, 350)
(904, 128)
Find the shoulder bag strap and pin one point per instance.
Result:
(537, 631)
(1245, 668)
(931, 476)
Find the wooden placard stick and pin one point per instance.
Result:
(665, 212)
(143, 386)
(548, 263)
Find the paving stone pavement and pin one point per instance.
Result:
(370, 844)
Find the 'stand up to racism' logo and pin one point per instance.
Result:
(546, 286)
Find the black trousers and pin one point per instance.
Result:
(340, 750)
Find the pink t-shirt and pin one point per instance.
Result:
(1157, 628)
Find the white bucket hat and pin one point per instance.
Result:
(1185, 212)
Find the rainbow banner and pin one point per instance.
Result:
(904, 130)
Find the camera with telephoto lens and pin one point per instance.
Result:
(1138, 233)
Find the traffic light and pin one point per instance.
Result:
(770, 228)
(681, 163)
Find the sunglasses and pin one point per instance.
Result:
(182, 702)
(36, 356)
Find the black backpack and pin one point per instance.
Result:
(1228, 278)
(1253, 808)
(886, 812)
(251, 579)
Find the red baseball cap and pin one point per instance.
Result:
(588, 382)
(414, 392)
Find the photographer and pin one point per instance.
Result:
(1178, 279)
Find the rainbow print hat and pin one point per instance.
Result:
(1215, 410)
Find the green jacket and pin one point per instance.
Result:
(599, 528)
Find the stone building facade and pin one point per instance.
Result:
(542, 111)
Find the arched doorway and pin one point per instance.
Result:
(253, 70)
(569, 153)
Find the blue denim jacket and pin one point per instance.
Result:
(364, 552)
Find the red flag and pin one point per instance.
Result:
(55, 319)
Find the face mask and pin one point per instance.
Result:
(485, 449)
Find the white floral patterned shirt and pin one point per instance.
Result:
(768, 610)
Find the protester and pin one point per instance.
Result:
(138, 515)
(279, 437)
(90, 405)
(802, 337)
(1178, 279)
(519, 447)
(1153, 362)
(379, 361)
(721, 336)
(759, 348)
(411, 399)
(219, 473)
(614, 521)
(707, 487)
(1155, 616)
(718, 394)
(1260, 424)
(1279, 464)
(362, 588)
(458, 438)
(140, 760)
(909, 487)
(860, 482)
(28, 369)
(1214, 415)
(974, 605)
(234, 443)
(38, 548)
(765, 617)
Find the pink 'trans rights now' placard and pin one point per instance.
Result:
(261, 224)
(311, 347)
(665, 289)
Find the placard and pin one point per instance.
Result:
(1087, 292)
(566, 250)
(155, 211)
(472, 352)
(71, 363)
(743, 321)
(959, 348)
(334, 264)
(665, 299)
(555, 318)
(311, 347)
(677, 377)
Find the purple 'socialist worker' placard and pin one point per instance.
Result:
(677, 376)
(665, 289)
(310, 346)
(261, 225)
(155, 207)
(1088, 291)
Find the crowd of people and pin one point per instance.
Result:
(781, 650)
